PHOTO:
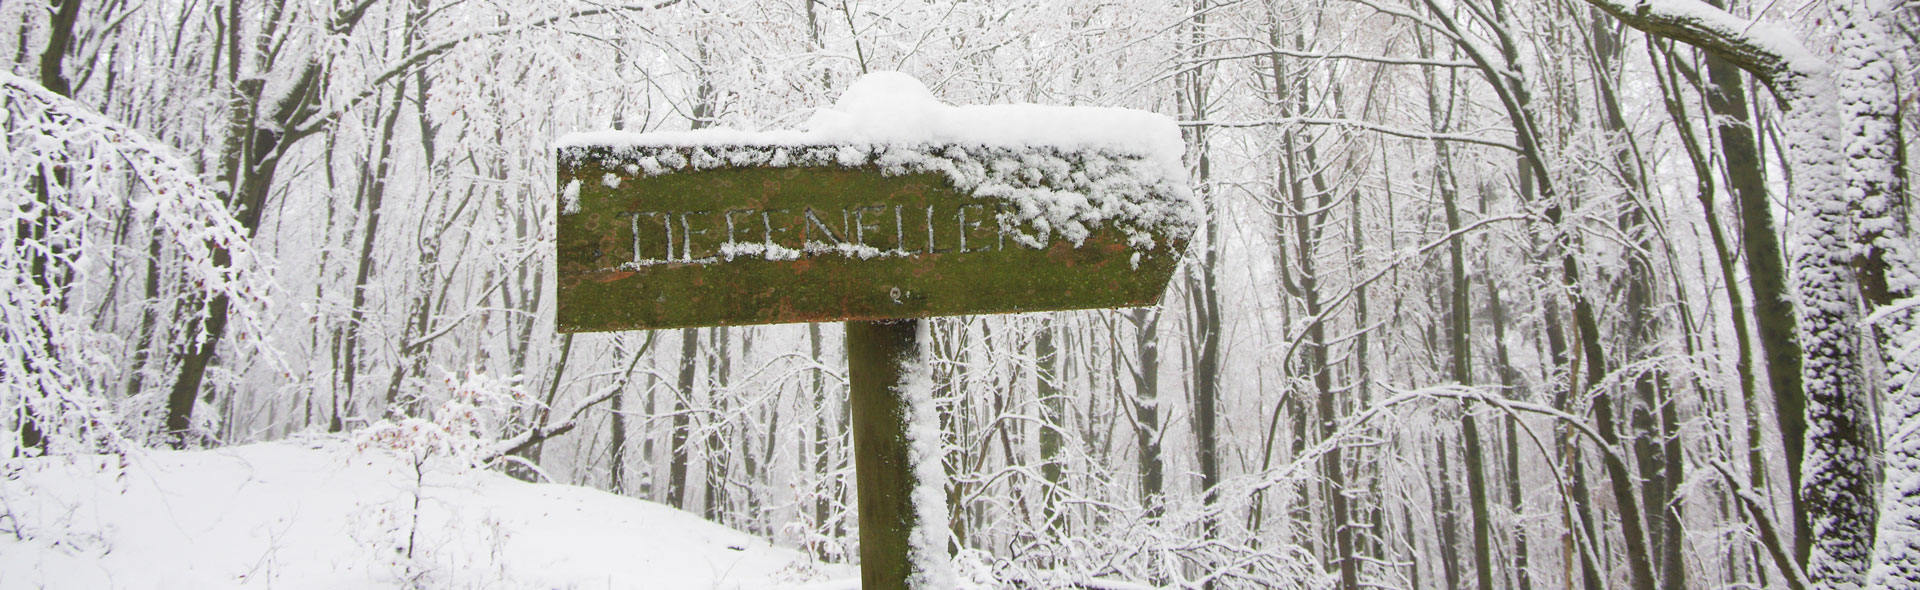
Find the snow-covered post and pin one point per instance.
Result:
(896, 450)
(890, 207)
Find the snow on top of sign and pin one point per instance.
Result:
(892, 108)
(1065, 170)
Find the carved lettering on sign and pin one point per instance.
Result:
(867, 231)
(740, 246)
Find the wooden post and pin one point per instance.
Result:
(883, 466)
(655, 234)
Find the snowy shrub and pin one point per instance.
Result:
(470, 419)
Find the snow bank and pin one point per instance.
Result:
(324, 515)
(1067, 170)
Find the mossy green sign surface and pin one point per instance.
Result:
(733, 246)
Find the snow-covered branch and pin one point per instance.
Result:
(67, 178)
(408, 64)
(1764, 49)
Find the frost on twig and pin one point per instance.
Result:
(70, 178)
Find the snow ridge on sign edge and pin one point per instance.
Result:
(1051, 191)
(1066, 170)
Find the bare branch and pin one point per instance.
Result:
(407, 64)
(1357, 124)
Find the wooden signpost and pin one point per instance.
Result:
(736, 246)
(674, 235)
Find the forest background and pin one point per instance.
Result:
(1490, 294)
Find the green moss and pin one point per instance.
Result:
(604, 285)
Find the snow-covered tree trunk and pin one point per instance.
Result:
(1897, 551)
(1865, 76)
(1837, 490)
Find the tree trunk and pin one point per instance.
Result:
(249, 158)
(1193, 97)
(1497, 315)
(1146, 404)
(1460, 341)
(1887, 269)
(1658, 462)
(376, 191)
(822, 434)
(717, 457)
(617, 444)
(682, 396)
(1462, 347)
(1449, 531)
(1046, 359)
(1775, 324)
(53, 58)
(532, 452)
(1513, 95)
(1736, 302)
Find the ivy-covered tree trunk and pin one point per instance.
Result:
(1837, 490)
(1887, 268)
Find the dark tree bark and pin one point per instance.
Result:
(1146, 406)
(1650, 420)
(1448, 535)
(1194, 100)
(1460, 332)
(1046, 358)
(53, 59)
(1774, 320)
(682, 422)
(258, 134)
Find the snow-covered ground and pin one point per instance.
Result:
(324, 514)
